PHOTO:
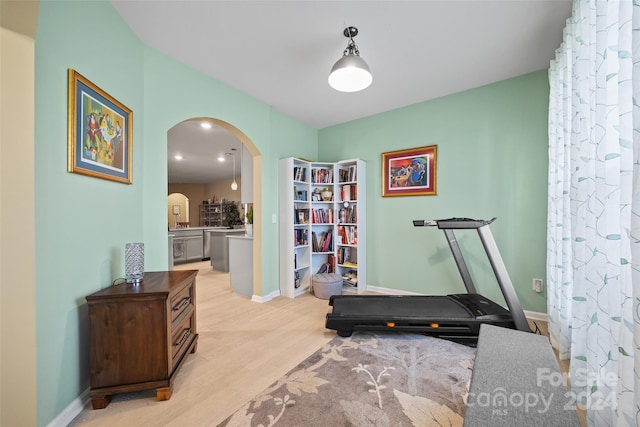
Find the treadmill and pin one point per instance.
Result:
(455, 317)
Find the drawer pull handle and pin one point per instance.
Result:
(183, 338)
(185, 302)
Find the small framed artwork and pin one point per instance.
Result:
(176, 209)
(99, 132)
(409, 172)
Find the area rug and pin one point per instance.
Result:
(369, 379)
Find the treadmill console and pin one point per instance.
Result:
(463, 223)
(451, 223)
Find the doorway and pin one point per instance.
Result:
(196, 148)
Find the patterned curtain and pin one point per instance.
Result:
(593, 236)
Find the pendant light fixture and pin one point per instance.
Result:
(234, 184)
(351, 73)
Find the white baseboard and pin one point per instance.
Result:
(535, 315)
(265, 298)
(390, 291)
(65, 417)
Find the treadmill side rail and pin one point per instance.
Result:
(504, 280)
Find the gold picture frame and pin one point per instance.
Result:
(100, 132)
(410, 172)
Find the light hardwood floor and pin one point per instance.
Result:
(243, 347)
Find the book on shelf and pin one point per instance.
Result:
(301, 216)
(300, 195)
(322, 242)
(300, 237)
(349, 192)
(322, 176)
(299, 173)
(348, 235)
(329, 266)
(350, 278)
(326, 247)
(331, 260)
(347, 257)
(322, 216)
(348, 175)
(346, 193)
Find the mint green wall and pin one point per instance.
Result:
(82, 223)
(492, 162)
(173, 93)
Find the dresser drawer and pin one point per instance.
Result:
(140, 335)
(181, 302)
(181, 337)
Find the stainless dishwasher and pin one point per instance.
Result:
(205, 245)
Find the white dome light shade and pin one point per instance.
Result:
(350, 74)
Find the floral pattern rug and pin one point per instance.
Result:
(369, 379)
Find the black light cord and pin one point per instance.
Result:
(537, 329)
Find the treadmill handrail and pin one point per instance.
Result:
(495, 259)
(504, 281)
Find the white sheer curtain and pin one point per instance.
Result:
(593, 241)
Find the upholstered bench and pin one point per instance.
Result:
(516, 381)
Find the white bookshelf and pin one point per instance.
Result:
(307, 219)
(351, 224)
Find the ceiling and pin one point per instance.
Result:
(200, 149)
(280, 52)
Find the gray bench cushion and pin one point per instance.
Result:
(515, 382)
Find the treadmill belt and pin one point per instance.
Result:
(400, 306)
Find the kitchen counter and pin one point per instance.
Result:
(241, 264)
(219, 247)
(197, 228)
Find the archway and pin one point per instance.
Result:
(252, 182)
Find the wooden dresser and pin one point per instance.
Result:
(141, 335)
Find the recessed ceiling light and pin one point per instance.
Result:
(221, 158)
(177, 157)
(205, 125)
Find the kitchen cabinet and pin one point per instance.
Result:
(188, 245)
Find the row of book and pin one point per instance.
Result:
(325, 176)
(322, 176)
(344, 257)
(299, 173)
(300, 237)
(300, 194)
(301, 216)
(348, 175)
(321, 242)
(322, 216)
(349, 192)
(348, 235)
(348, 215)
(329, 266)
(326, 216)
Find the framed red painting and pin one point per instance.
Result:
(409, 172)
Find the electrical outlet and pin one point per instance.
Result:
(538, 285)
